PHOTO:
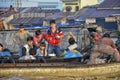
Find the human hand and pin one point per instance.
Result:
(18, 43)
(70, 33)
(57, 36)
(49, 39)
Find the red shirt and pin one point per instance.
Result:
(38, 39)
(54, 38)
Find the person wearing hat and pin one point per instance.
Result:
(53, 37)
(20, 38)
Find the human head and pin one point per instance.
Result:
(30, 40)
(71, 41)
(42, 45)
(52, 23)
(106, 35)
(1, 47)
(21, 27)
(38, 33)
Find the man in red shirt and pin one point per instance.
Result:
(53, 37)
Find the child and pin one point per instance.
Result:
(41, 51)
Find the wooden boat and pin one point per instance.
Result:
(57, 66)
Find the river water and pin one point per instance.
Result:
(59, 78)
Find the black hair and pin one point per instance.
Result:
(32, 51)
(106, 35)
(1, 45)
(71, 41)
(29, 38)
(38, 32)
(21, 26)
(43, 44)
(52, 21)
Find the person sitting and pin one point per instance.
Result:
(72, 49)
(41, 52)
(29, 50)
(5, 54)
(104, 46)
(72, 42)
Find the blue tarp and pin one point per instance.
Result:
(71, 54)
(5, 54)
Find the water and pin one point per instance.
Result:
(59, 78)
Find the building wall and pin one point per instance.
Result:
(6, 20)
(77, 3)
(50, 5)
(88, 3)
(72, 4)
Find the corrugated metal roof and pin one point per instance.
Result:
(104, 13)
(39, 10)
(109, 4)
(58, 16)
(93, 12)
(83, 13)
(27, 21)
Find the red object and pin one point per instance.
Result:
(96, 36)
(54, 38)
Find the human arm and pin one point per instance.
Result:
(14, 39)
(72, 35)
(36, 43)
(28, 33)
(59, 35)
